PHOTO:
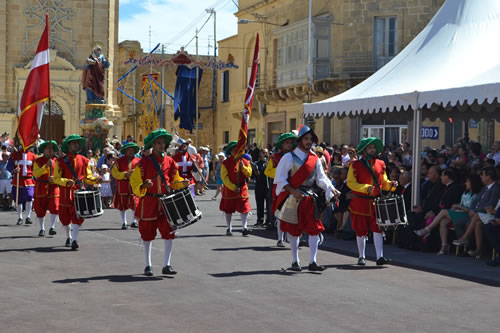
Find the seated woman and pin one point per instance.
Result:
(459, 211)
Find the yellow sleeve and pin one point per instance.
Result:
(58, 179)
(225, 178)
(386, 183)
(353, 184)
(39, 171)
(116, 173)
(136, 181)
(89, 177)
(247, 170)
(176, 183)
(270, 169)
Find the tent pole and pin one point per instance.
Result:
(416, 161)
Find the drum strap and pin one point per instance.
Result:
(72, 170)
(370, 170)
(160, 172)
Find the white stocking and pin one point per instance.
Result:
(41, 220)
(29, 206)
(294, 247)
(68, 231)
(378, 240)
(168, 250)
(228, 221)
(20, 211)
(123, 214)
(244, 220)
(313, 247)
(53, 220)
(361, 245)
(76, 227)
(280, 233)
(147, 252)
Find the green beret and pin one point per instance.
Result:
(130, 145)
(161, 133)
(368, 141)
(72, 137)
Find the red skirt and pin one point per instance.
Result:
(307, 222)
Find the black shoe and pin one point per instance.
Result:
(124, 227)
(228, 232)
(74, 246)
(280, 244)
(303, 243)
(134, 225)
(245, 232)
(383, 261)
(148, 271)
(28, 221)
(259, 223)
(19, 221)
(168, 270)
(41, 233)
(314, 267)
(296, 267)
(68, 242)
(52, 232)
(361, 262)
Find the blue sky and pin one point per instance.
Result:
(173, 22)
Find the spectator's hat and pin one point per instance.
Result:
(230, 146)
(44, 144)
(130, 145)
(319, 149)
(104, 166)
(181, 142)
(368, 141)
(203, 148)
(70, 138)
(283, 137)
(221, 155)
(161, 133)
(306, 130)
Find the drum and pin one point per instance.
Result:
(180, 209)
(390, 211)
(88, 204)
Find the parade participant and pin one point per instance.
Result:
(284, 145)
(296, 174)
(70, 172)
(46, 192)
(235, 191)
(21, 168)
(367, 178)
(122, 170)
(185, 161)
(152, 178)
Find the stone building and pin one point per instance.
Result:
(75, 26)
(351, 39)
(130, 54)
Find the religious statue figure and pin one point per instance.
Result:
(93, 76)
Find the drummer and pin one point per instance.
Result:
(150, 180)
(46, 192)
(66, 168)
(360, 179)
(122, 170)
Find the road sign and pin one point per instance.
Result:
(431, 133)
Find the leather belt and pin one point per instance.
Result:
(155, 195)
(368, 197)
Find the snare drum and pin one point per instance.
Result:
(88, 204)
(180, 209)
(390, 211)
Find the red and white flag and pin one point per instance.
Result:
(242, 137)
(36, 92)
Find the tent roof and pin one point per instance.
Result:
(453, 61)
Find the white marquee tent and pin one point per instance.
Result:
(453, 64)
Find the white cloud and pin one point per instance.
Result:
(168, 18)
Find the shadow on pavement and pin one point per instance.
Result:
(19, 237)
(200, 236)
(252, 248)
(115, 278)
(105, 229)
(354, 267)
(49, 249)
(261, 272)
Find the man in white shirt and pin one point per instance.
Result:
(496, 153)
(297, 172)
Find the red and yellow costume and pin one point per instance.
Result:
(149, 211)
(124, 196)
(233, 177)
(362, 205)
(62, 174)
(46, 193)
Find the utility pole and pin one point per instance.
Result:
(214, 79)
(196, 85)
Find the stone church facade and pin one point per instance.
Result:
(75, 26)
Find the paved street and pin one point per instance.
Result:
(224, 284)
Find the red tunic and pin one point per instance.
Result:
(185, 163)
(46, 194)
(124, 197)
(231, 201)
(25, 161)
(149, 211)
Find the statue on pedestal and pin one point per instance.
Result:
(93, 76)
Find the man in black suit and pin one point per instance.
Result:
(405, 184)
(261, 188)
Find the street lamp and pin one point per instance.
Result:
(243, 21)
